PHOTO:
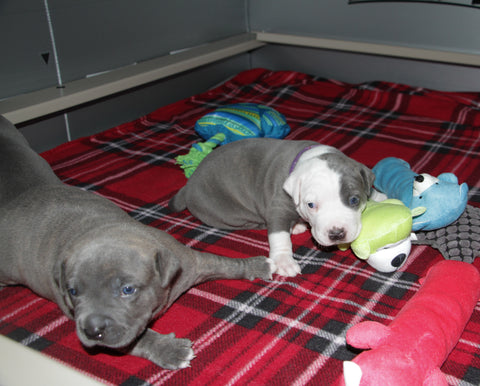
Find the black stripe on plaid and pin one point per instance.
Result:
(321, 344)
(444, 145)
(403, 282)
(472, 375)
(310, 259)
(149, 213)
(134, 381)
(29, 339)
(247, 319)
(206, 234)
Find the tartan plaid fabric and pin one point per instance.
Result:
(289, 330)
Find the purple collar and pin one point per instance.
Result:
(304, 150)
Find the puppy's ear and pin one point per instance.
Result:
(62, 297)
(168, 266)
(368, 178)
(292, 186)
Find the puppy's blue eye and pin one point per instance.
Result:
(72, 291)
(128, 290)
(311, 205)
(354, 201)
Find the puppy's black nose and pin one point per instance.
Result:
(336, 234)
(95, 326)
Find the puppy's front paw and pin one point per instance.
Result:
(286, 265)
(259, 267)
(164, 350)
(299, 227)
(178, 353)
(273, 267)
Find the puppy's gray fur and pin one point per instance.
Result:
(108, 272)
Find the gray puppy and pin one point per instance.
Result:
(281, 185)
(108, 272)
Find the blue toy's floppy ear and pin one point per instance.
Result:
(394, 178)
(448, 177)
(464, 194)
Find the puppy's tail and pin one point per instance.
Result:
(177, 203)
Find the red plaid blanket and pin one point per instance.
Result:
(289, 330)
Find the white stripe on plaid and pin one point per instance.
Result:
(19, 310)
(45, 330)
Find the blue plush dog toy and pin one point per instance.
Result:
(442, 196)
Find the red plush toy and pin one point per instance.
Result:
(412, 348)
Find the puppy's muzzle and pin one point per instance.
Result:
(337, 234)
(96, 326)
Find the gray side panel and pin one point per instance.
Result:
(421, 25)
(50, 132)
(95, 36)
(357, 68)
(24, 38)
(45, 134)
(99, 35)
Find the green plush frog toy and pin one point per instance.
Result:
(384, 241)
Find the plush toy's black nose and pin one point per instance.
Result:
(398, 260)
(336, 234)
(419, 178)
(95, 326)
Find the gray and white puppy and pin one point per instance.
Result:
(270, 183)
(108, 272)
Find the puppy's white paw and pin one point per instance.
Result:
(281, 253)
(375, 195)
(299, 227)
(273, 266)
(286, 265)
